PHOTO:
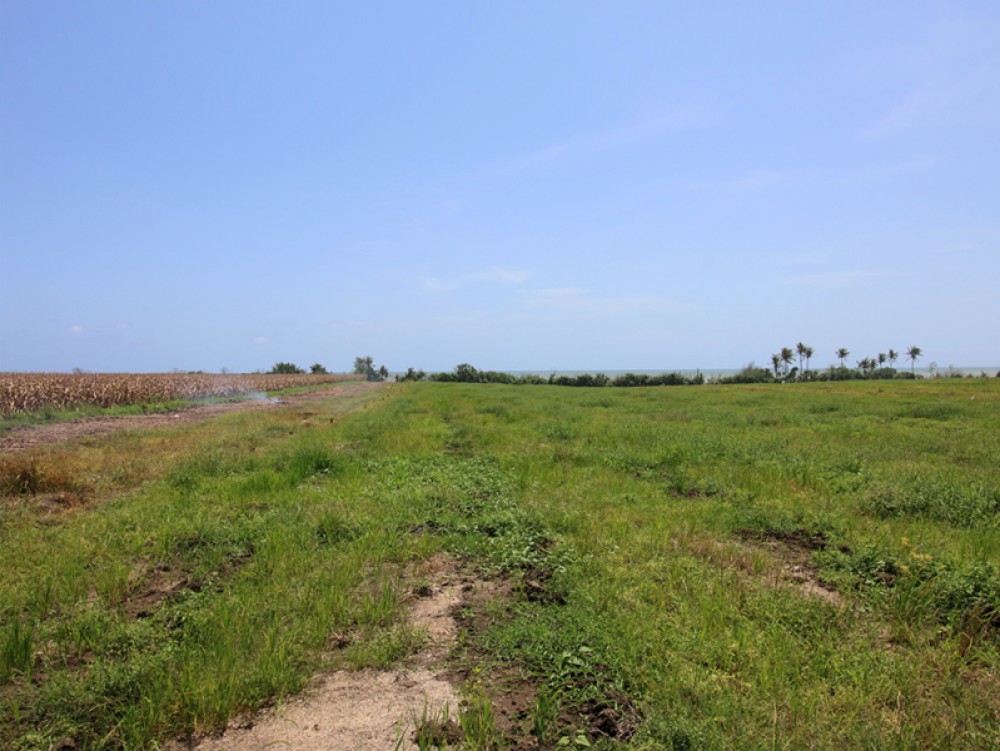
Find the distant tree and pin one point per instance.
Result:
(800, 350)
(466, 373)
(893, 356)
(362, 365)
(882, 357)
(809, 354)
(317, 369)
(843, 353)
(412, 375)
(913, 354)
(787, 358)
(286, 367)
(776, 363)
(366, 366)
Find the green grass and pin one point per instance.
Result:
(648, 516)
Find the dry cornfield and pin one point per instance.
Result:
(29, 392)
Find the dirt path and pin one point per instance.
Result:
(367, 710)
(28, 437)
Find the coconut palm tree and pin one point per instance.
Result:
(843, 354)
(893, 356)
(881, 359)
(809, 353)
(776, 363)
(787, 357)
(800, 350)
(913, 354)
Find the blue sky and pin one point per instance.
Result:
(518, 185)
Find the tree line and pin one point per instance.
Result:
(782, 363)
(363, 365)
(784, 369)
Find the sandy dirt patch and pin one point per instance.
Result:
(366, 710)
(28, 437)
(793, 549)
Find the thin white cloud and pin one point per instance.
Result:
(759, 179)
(947, 77)
(587, 144)
(555, 295)
(261, 340)
(897, 169)
(765, 179)
(836, 279)
(580, 300)
(433, 285)
(812, 259)
(940, 100)
(956, 249)
(75, 329)
(499, 274)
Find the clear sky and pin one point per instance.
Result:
(518, 185)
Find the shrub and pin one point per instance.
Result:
(411, 375)
(286, 368)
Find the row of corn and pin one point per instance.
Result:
(30, 392)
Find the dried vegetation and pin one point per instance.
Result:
(30, 392)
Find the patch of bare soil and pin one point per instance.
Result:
(514, 694)
(20, 439)
(150, 587)
(794, 549)
(368, 710)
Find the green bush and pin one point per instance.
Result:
(286, 368)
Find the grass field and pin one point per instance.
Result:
(784, 566)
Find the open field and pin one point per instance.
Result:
(753, 567)
(33, 392)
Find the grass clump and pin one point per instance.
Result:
(947, 497)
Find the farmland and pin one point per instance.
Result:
(809, 565)
(32, 392)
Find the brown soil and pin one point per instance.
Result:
(152, 586)
(20, 439)
(514, 693)
(794, 549)
(368, 710)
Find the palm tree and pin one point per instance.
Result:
(913, 354)
(800, 349)
(881, 359)
(787, 357)
(809, 353)
(775, 362)
(893, 356)
(843, 354)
